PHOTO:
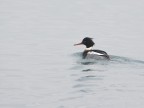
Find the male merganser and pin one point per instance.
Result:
(89, 52)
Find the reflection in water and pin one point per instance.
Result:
(86, 70)
(87, 81)
(98, 78)
(89, 77)
(90, 73)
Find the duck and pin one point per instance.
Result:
(91, 53)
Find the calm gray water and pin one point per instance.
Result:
(40, 67)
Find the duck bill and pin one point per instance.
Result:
(78, 44)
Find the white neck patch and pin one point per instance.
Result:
(87, 49)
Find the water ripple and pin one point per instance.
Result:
(89, 77)
(114, 59)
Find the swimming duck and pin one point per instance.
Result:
(92, 53)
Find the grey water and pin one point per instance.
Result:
(40, 67)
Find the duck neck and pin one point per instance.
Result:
(87, 49)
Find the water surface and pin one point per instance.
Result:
(40, 67)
